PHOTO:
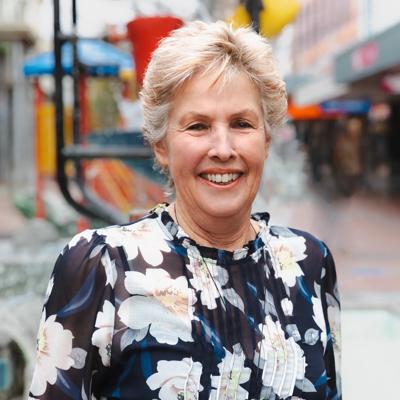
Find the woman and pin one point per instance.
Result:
(198, 299)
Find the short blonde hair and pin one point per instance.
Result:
(202, 47)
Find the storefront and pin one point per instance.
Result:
(333, 136)
(371, 70)
(331, 125)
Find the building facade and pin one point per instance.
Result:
(344, 54)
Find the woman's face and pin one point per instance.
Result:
(215, 145)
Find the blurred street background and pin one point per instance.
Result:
(71, 154)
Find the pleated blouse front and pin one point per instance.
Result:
(142, 312)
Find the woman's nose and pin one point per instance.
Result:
(222, 146)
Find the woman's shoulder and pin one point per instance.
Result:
(284, 235)
(120, 243)
(117, 233)
(80, 257)
(303, 239)
(299, 247)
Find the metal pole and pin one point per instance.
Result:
(92, 206)
(254, 7)
(75, 76)
(76, 113)
(62, 178)
(59, 101)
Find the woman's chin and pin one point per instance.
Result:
(205, 199)
(226, 208)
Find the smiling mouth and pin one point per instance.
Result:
(221, 179)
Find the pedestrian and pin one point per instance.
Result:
(198, 299)
(347, 158)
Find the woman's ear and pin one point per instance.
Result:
(161, 152)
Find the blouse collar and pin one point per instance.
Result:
(180, 237)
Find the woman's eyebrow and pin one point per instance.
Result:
(192, 115)
(195, 114)
(245, 112)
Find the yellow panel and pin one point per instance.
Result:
(273, 18)
(46, 159)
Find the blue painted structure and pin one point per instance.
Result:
(100, 59)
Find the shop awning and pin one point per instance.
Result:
(371, 56)
(330, 109)
(300, 113)
(99, 57)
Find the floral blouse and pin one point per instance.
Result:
(141, 312)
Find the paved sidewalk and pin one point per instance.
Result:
(363, 235)
(370, 354)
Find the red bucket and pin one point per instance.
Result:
(145, 33)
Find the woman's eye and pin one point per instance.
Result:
(197, 127)
(242, 124)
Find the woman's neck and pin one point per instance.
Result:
(222, 233)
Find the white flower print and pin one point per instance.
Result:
(311, 336)
(92, 396)
(334, 323)
(86, 234)
(232, 374)
(318, 316)
(287, 307)
(281, 360)
(177, 379)
(54, 348)
(144, 236)
(102, 337)
(287, 251)
(109, 267)
(208, 278)
(159, 302)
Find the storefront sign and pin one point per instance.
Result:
(365, 56)
(346, 106)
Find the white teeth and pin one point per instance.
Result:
(221, 178)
